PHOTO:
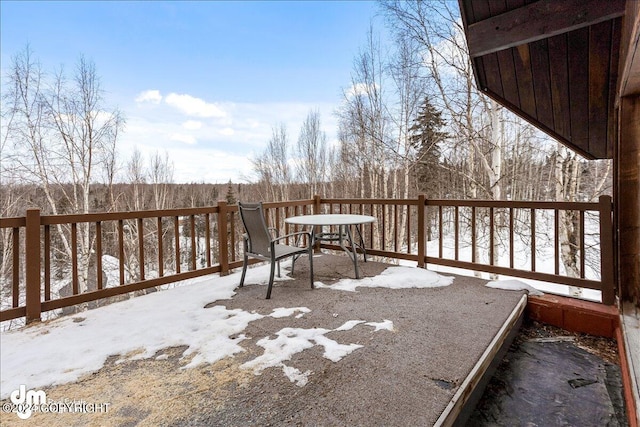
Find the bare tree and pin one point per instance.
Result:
(60, 136)
(364, 122)
(311, 151)
(272, 166)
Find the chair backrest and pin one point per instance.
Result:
(252, 215)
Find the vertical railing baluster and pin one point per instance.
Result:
(473, 234)
(207, 233)
(492, 237)
(384, 227)
(456, 218)
(533, 239)
(98, 254)
(440, 233)
(15, 267)
(556, 241)
(371, 227)
(511, 232)
(176, 238)
(422, 244)
(121, 249)
(160, 247)
(395, 228)
(74, 258)
(582, 245)
(141, 248)
(408, 229)
(47, 262)
(192, 223)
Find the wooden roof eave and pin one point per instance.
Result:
(525, 37)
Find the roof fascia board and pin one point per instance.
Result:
(536, 21)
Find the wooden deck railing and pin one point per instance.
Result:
(152, 248)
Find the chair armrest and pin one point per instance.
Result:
(299, 233)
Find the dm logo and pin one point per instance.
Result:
(25, 400)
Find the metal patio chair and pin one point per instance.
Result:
(259, 242)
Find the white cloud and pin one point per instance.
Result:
(213, 149)
(193, 106)
(187, 139)
(152, 96)
(192, 125)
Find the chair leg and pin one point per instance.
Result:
(273, 267)
(244, 270)
(311, 266)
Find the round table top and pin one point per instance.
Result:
(330, 219)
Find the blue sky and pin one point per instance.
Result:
(204, 81)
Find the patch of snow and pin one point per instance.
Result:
(349, 325)
(290, 341)
(296, 376)
(401, 277)
(286, 312)
(68, 348)
(386, 324)
(513, 285)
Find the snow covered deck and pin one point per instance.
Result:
(402, 346)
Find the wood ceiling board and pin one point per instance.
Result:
(542, 82)
(537, 124)
(613, 81)
(480, 11)
(481, 78)
(578, 52)
(599, 61)
(535, 21)
(522, 61)
(508, 74)
(492, 74)
(559, 77)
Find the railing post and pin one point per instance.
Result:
(223, 231)
(607, 257)
(317, 210)
(316, 205)
(422, 244)
(32, 265)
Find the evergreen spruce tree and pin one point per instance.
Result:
(230, 196)
(425, 136)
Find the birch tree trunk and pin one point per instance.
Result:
(61, 138)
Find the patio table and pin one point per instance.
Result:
(344, 222)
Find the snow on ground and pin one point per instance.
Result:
(513, 285)
(401, 277)
(522, 260)
(65, 349)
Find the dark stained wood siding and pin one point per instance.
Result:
(578, 55)
(563, 84)
(559, 75)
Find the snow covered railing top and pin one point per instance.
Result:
(58, 261)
